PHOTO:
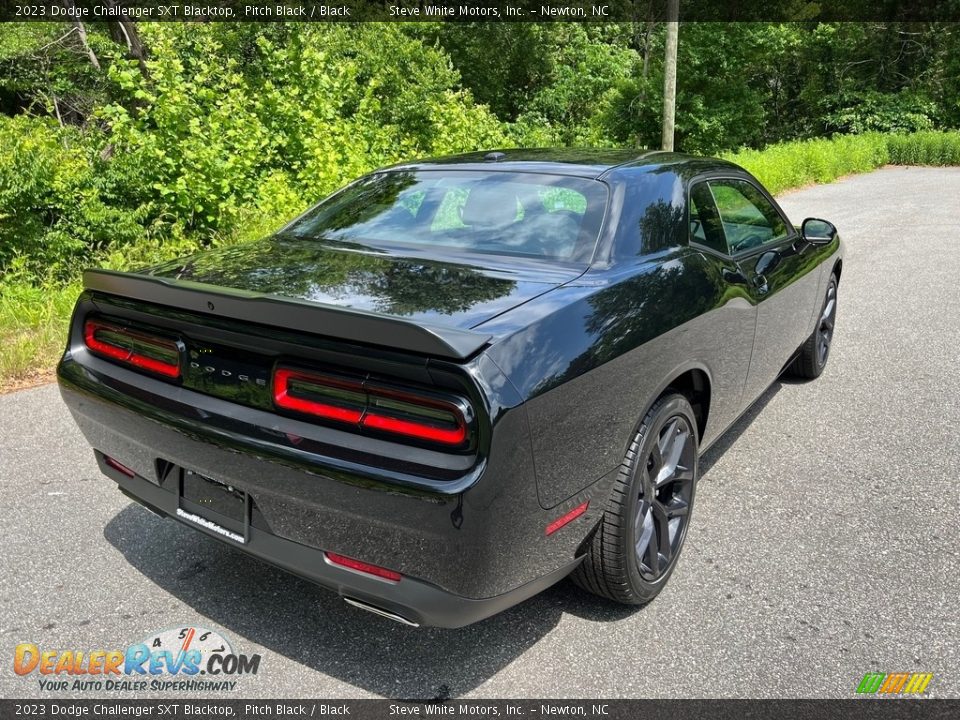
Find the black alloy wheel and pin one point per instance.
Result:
(635, 547)
(663, 505)
(825, 328)
(816, 350)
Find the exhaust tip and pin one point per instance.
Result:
(379, 611)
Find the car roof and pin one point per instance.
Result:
(577, 162)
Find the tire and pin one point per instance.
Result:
(816, 350)
(614, 567)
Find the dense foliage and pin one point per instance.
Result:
(128, 145)
(227, 125)
(215, 132)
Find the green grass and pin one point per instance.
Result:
(924, 148)
(786, 166)
(791, 165)
(33, 329)
(34, 315)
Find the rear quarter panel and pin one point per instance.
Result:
(590, 358)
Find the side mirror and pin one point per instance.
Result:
(818, 232)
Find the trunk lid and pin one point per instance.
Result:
(456, 292)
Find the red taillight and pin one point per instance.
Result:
(414, 429)
(363, 567)
(318, 386)
(370, 406)
(133, 347)
(570, 516)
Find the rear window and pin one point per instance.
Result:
(524, 214)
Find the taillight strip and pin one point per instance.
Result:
(283, 397)
(372, 407)
(414, 429)
(129, 355)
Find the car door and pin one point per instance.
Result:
(776, 270)
(731, 324)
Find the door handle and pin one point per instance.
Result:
(734, 277)
(760, 282)
(767, 262)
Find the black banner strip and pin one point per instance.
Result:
(478, 11)
(867, 708)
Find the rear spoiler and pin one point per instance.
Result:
(291, 313)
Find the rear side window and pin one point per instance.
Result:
(525, 214)
(705, 226)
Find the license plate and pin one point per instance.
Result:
(214, 505)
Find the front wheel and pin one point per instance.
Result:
(636, 546)
(815, 351)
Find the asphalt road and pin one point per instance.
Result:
(825, 542)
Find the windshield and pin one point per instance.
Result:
(523, 214)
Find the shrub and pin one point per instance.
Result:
(872, 111)
(58, 200)
(224, 142)
(302, 115)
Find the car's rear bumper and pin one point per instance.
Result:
(411, 601)
(465, 553)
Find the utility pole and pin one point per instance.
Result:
(670, 74)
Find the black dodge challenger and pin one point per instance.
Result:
(456, 381)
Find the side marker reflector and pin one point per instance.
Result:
(363, 567)
(118, 466)
(569, 517)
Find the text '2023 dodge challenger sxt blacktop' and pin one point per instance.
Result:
(456, 381)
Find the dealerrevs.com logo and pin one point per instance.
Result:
(189, 659)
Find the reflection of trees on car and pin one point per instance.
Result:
(309, 268)
(636, 311)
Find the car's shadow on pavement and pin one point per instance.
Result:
(726, 441)
(290, 616)
(313, 626)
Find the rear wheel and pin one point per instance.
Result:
(816, 350)
(636, 546)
